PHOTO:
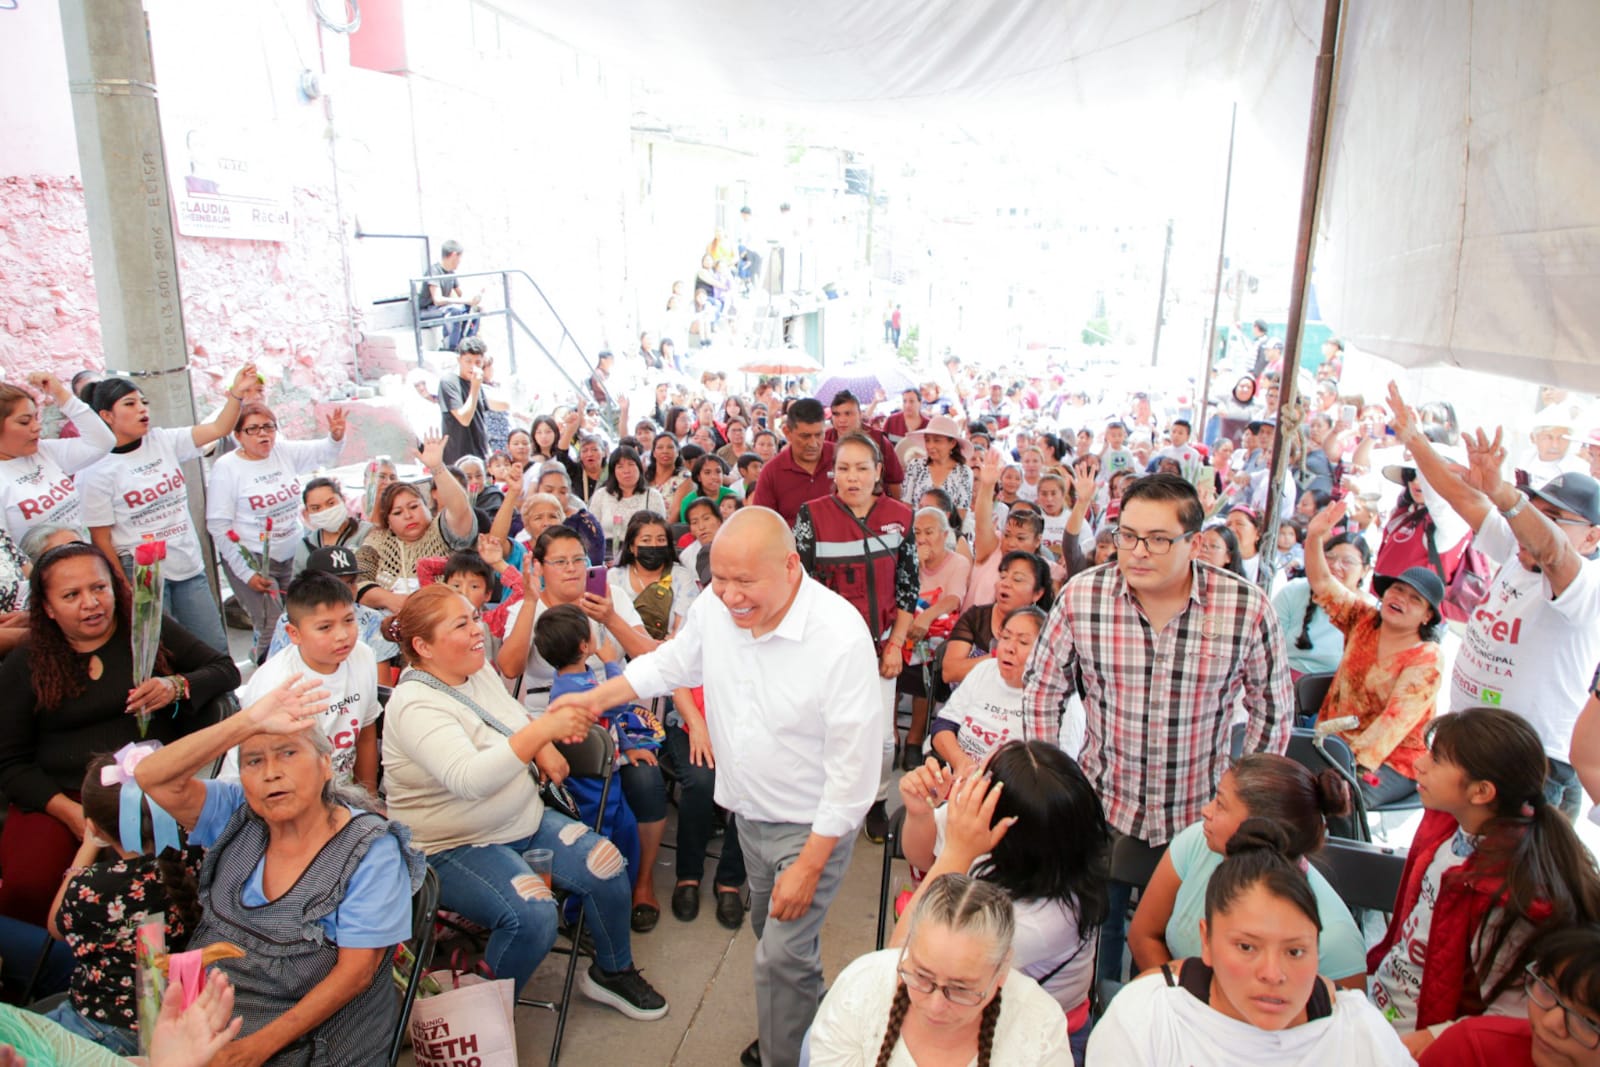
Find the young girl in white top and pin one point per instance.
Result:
(1254, 995)
(36, 483)
(1035, 828)
(948, 996)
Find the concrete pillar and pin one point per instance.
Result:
(130, 215)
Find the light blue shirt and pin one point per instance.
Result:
(1340, 953)
(376, 910)
(1327, 640)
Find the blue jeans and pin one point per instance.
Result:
(493, 886)
(20, 946)
(1563, 790)
(122, 1042)
(189, 600)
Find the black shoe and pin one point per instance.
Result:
(686, 903)
(911, 758)
(751, 1057)
(626, 991)
(877, 825)
(730, 908)
(644, 918)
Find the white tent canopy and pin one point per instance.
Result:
(1460, 210)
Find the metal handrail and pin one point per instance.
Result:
(415, 284)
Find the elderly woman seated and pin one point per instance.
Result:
(406, 532)
(300, 875)
(556, 480)
(949, 995)
(458, 752)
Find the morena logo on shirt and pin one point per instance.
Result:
(272, 500)
(165, 487)
(32, 508)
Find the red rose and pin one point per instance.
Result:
(148, 553)
(233, 535)
(269, 524)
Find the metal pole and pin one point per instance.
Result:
(125, 193)
(511, 333)
(1311, 186)
(1161, 298)
(1216, 294)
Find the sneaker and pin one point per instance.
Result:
(626, 991)
(877, 824)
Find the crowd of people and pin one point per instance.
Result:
(1096, 614)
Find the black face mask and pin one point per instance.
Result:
(652, 557)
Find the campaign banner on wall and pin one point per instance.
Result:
(226, 183)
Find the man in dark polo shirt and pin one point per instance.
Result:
(803, 469)
(845, 416)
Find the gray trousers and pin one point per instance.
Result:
(788, 969)
(262, 608)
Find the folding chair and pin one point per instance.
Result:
(1366, 876)
(1317, 755)
(893, 849)
(593, 757)
(424, 907)
(1309, 692)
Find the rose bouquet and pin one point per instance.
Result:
(260, 563)
(147, 589)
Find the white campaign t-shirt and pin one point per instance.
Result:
(1524, 651)
(142, 491)
(243, 494)
(352, 702)
(538, 675)
(988, 710)
(40, 488)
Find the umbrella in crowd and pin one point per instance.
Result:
(780, 361)
(864, 381)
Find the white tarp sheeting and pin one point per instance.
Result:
(1461, 211)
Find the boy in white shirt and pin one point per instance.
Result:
(326, 647)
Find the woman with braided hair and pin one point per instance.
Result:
(1315, 645)
(938, 1000)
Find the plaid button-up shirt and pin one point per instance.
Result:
(1158, 704)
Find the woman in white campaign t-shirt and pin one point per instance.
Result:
(985, 711)
(36, 483)
(139, 491)
(256, 483)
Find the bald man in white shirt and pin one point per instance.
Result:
(793, 709)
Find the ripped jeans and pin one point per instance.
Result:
(494, 887)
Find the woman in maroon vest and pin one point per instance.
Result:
(858, 543)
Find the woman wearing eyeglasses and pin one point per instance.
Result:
(255, 490)
(948, 996)
(1562, 1027)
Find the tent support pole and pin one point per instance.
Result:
(1288, 413)
(1203, 387)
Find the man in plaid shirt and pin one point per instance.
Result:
(1165, 648)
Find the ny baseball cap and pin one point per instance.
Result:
(335, 559)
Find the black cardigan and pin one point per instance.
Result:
(44, 752)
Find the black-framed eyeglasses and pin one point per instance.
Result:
(1580, 1027)
(1155, 544)
(259, 430)
(961, 996)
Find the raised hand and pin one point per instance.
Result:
(291, 708)
(336, 421)
(489, 548)
(431, 454)
(50, 385)
(988, 472)
(927, 785)
(192, 1037)
(1485, 459)
(245, 381)
(1084, 484)
(970, 827)
(1402, 420)
(1323, 522)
